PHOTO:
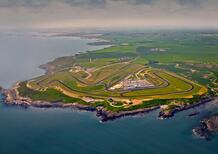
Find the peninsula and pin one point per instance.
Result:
(136, 74)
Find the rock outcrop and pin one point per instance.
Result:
(106, 115)
(167, 113)
(12, 97)
(207, 127)
(212, 123)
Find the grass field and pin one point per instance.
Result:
(180, 66)
(74, 85)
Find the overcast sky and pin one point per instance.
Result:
(108, 13)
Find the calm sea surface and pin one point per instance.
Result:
(63, 131)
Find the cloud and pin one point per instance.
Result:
(138, 2)
(188, 2)
(149, 2)
(44, 3)
(27, 13)
(91, 3)
(24, 3)
(194, 3)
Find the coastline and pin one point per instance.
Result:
(49, 68)
(165, 114)
(207, 127)
(12, 97)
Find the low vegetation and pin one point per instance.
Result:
(174, 68)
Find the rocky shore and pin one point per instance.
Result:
(12, 97)
(100, 43)
(106, 115)
(207, 127)
(49, 69)
(167, 113)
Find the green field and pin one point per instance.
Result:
(178, 66)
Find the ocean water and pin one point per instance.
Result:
(22, 53)
(64, 131)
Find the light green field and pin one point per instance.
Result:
(167, 85)
(92, 74)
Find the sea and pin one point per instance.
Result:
(66, 131)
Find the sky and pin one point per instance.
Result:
(21, 14)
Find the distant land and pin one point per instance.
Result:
(138, 73)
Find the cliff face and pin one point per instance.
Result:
(207, 127)
(212, 123)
